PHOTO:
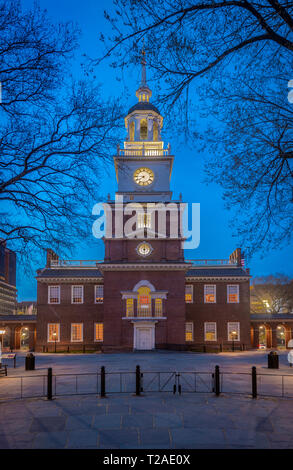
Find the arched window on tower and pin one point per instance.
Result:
(155, 132)
(143, 129)
(131, 131)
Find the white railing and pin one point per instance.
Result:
(73, 263)
(142, 152)
(212, 262)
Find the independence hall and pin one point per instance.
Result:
(144, 294)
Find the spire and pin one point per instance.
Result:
(143, 69)
(143, 93)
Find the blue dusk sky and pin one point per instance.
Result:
(188, 170)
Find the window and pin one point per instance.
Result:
(53, 332)
(158, 307)
(129, 308)
(143, 129)
(143, 220)
(210, 331)
(144, 302)
(77, 294)
(53, 294)
(233, 331)
(99, 331)
(210, 294)
(76, 332)
(155, 132)
(131, 131)
(233, 294)
(188, 331)
(189, 294)
(99, 294)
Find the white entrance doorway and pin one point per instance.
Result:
(144, 337)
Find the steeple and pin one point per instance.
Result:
(144, 92)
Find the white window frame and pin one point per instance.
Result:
(100, 301)
(53, 340)
(76, 340)
(98, 340)
(228, 287)
(205, 327)
(189, 323)
(215, 293)
(192, 289)
(237, 329)
(82, 294)
(49, 297)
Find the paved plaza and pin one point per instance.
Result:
(153, 420)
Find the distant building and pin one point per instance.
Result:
(8, 290)
(27, 307)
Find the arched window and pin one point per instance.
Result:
(24, 338)
(143, 129)
(262, 332)
(155, 132)
(144, 305)
(131, 131)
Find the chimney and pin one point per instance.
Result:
(51, 256)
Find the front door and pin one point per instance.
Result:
(144, 338)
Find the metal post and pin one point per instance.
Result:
(254, 383)
(103, 382)
(137, 381)
(217, 381)
(14, 361)
(49, 384)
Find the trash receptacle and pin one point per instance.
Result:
(30, 362)
(273, 360)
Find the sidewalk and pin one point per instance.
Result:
(190, 421)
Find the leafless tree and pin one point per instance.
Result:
(272, 294)
(56, 135)
(235, 56)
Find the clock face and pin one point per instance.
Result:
(143, 176)
(144, 249)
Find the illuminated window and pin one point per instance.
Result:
(77, 294)
(53, 332)
(233, 294)
(188, 331)
(76, 332)
(189, 294)
(143, 220)
(233, 331)
(144, 306)
(99, 294)
(143, 129)
(210, 331)
(99, 331)
(54, 294)
(210, 294)
(158, 307)
(131, 130)
(129, 308)
(155, 132)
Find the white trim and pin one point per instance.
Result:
(143, 325)
(144, 284)
(76, 340)
(59, 295)
(95, 294)
(192, 289)
(82, 294)
(238, 296)
(237, 328)
(215, 293)
(189, 323)
(210, 322)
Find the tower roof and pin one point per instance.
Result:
(143, 105)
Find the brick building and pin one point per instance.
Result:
(144, 295)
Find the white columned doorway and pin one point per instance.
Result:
(144, 336)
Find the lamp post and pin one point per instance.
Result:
(55, 339)
(233, 335)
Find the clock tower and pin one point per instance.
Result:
(144, 267)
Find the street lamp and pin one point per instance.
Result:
(2, 333)
(233, 336)
(55, 338)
